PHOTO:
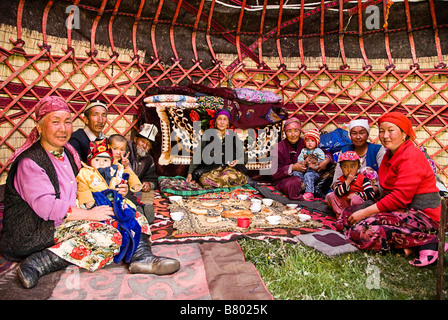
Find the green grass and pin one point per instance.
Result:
(296, 272)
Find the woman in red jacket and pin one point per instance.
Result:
(408, 214)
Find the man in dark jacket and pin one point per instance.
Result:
(140, 158)
(95, 117)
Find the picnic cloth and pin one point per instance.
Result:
(329, 242)
(163, 230)
(310, 205)
(200, 224)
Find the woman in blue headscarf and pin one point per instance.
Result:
(370, 154)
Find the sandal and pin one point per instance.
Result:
(308, 196)
(427, 257)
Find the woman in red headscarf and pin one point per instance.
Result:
(407, 215)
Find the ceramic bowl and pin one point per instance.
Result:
(176, 216)
(267, 201)
(292, 205)
(274, 220)
(303, 217)
(243, 196)
(175, 199)
(243, 222)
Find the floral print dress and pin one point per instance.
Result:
(91, 244)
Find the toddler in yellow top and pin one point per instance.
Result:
(100, 174)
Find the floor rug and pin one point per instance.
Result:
(11, 289)
(229, 276)
(212, 267)
(209, 271)
(114, 282)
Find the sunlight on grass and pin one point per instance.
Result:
(294, 271)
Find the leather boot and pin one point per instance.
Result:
(149, 213)
(37, 265)
(144, 261)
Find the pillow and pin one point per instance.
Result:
(328, 242)
(170, 90)
(169, 98)
(257, 96)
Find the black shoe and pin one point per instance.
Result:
(144, 261)
(37, 265)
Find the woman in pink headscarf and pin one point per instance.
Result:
(288, 150)
(42, 226)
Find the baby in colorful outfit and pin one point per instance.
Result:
(352, 188)
(100, 174)
(311, 155)
(119, 144)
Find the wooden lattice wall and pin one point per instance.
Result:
(324, 92)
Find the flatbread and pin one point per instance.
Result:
(199, 211)
(210, 204)
(237, 214)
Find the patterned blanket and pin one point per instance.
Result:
(182, 123)
(178, 186)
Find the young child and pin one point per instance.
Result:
(352, 188)
(118, 145)
(308, 157)
(96, 185)
(100, 174)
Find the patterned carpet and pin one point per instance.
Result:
(115, 282)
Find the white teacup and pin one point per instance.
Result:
(243, 196)
(303, 217)
(175, 199)
(176, 216)
(274, 220)
(267, 201)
